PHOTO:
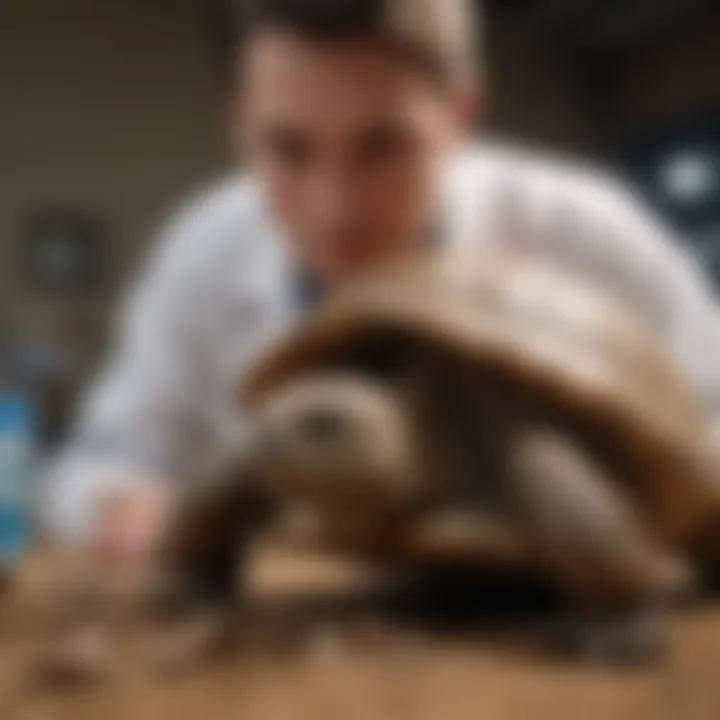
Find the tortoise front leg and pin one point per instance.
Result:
(206, 544)
(204, 559)
(591, 542)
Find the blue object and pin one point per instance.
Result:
(17, 461)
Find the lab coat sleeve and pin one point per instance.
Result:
(142, 417)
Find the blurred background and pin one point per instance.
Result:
(112, 111)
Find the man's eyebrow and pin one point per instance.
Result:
(281, 130)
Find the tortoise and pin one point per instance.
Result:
(476, 410)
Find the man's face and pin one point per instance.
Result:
(348, 142)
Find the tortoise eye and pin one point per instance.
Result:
(323, 425)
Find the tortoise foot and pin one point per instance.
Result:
(197, 640)
(77, 659)
(632, 637)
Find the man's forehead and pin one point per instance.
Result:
(332, 81)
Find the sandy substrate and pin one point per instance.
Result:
(494, 674)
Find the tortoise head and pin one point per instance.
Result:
(338, 440)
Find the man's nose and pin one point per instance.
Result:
(334, 196)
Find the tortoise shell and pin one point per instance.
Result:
(548, 332)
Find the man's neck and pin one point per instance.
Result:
(310, 290)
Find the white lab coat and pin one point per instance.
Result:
(217, 289)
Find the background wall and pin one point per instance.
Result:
(110, 107)
(532, 93)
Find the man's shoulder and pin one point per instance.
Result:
(219, 213)
(514, 173)
(214, 241)
(215, 227)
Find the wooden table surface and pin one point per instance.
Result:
(478, 678)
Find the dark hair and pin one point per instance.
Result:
(436, 34)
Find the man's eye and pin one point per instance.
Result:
(288, 147)
(385, 143)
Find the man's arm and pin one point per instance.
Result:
(139, 421)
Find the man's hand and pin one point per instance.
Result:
(130, 523)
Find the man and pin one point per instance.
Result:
(353, 118)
